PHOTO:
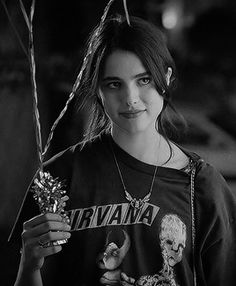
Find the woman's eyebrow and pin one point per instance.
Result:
(142, 74)
(110, 78)
(117, 78)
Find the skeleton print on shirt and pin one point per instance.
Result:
(172, 237)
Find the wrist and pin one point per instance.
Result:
(29, 266)
(26, 276)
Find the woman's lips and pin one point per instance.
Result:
(132, 114)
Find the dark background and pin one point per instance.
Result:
(201, 37)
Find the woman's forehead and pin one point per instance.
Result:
(121, 63)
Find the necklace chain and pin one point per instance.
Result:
(135, 203)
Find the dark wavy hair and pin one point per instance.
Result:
(149, 44)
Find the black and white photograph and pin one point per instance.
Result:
(118, 143)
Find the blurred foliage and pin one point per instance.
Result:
(207, 70)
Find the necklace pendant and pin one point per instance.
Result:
(137, 204)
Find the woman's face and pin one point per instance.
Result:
(128, 93)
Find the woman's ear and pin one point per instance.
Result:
(168, 75)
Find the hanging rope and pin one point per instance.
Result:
(29, 23)
(85, 62)
(44, 183)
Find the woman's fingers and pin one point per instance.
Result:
(42, 218)
(33, 254)
(38, 236)
(42, 224)
(36, 248)
(52, 236)
(44, 228)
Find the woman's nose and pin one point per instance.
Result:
(131, 96)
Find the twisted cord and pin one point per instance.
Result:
(126, 12)
(192, 194)
(29, 20)
(78, 79)
(36, 116)
(85, 62)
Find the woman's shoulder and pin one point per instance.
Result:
(209, 182)
(206, 173)
(204, 169)
(212, 192)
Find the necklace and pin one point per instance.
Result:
(135, 203)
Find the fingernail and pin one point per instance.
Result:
(67, 234)
(66, 220)
(67, 227)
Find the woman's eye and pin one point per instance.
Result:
(144, 80)
(113, 85)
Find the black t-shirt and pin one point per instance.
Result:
(152, 245)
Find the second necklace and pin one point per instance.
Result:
(135, 203)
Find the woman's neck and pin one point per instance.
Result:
(146, 147)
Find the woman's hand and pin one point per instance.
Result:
(37, 234)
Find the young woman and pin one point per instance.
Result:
(143, 211)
